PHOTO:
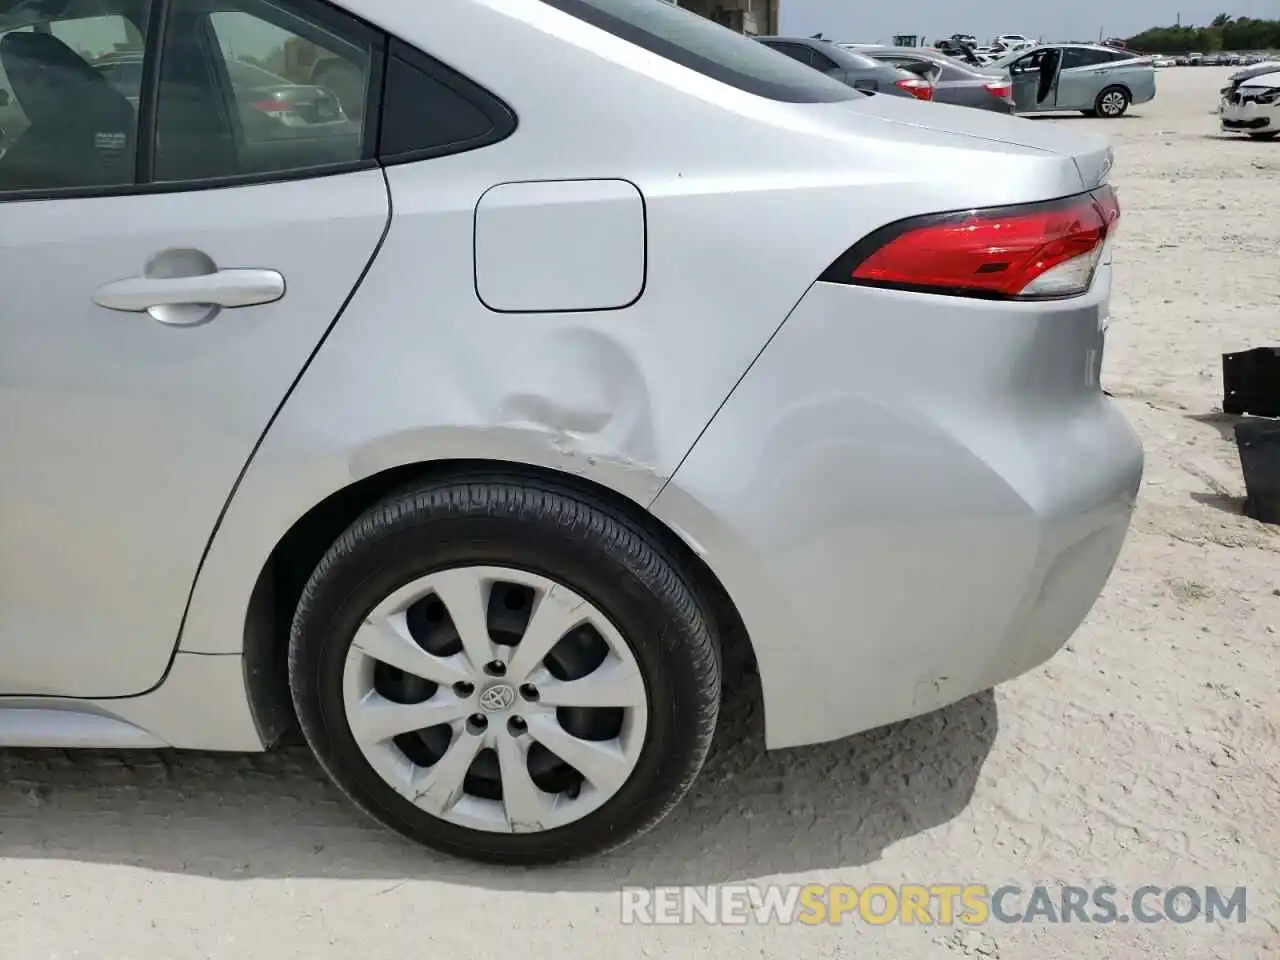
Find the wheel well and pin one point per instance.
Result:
(280, 583)
(1116, 86)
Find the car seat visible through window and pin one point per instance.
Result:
(82, 131)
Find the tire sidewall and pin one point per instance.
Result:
(379, 556)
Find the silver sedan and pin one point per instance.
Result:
(1095, 80)
(609, 359)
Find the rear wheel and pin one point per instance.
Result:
(1112, 102)
(505, 671)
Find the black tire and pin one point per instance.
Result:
(554, 531)
(1102, 106)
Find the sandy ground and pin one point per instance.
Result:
(1145, 753)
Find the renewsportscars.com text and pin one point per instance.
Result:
(930, 904)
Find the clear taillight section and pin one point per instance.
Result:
(1000, 88)
(1032, 252)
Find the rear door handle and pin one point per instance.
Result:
(186, 289)
(226, 288)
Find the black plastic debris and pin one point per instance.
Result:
(1251, 382)
(1258, 440)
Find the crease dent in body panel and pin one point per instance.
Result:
(587, 394)
(571, 399)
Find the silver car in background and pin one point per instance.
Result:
(852, 67)
(953, 81)
(1094, 80)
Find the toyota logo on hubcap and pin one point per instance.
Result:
(498, 697)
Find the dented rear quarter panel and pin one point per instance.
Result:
(746, 202)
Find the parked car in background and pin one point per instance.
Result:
(953, 81)
(851, 67)
(481, 461)
(1095, 80)
(1250, 103)
(1013, 41)
(963, 51)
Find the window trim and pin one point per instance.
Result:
(149, 92)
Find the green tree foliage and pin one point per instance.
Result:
(1223, 33)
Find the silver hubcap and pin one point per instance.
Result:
(1113, 103)
(495, 699)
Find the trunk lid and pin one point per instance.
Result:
(1093, 155)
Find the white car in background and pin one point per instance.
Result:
(1013, 41)
(1250, 103)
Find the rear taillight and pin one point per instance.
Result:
(1034, 252)
(275, 106)
(1001, 88)
(919, 88)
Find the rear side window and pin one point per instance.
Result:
(795, 51)
(1084, 57)
(712, 50)
(821, 61)
(853, 60)
(921, 68)
(64, 123)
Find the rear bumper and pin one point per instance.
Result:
(995, 105)
(910, 499)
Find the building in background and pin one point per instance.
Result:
(754, 17)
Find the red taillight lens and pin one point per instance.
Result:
(1001, 89)
(919, 88)
(1033, 252)
(275, 106)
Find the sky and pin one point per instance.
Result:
(871, 21)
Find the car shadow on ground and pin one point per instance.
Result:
(1240, 138)
(1224, 423)
(751, 814)
(1220, 501)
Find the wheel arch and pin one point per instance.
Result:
(279, 584)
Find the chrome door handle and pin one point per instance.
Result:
(185, 288)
